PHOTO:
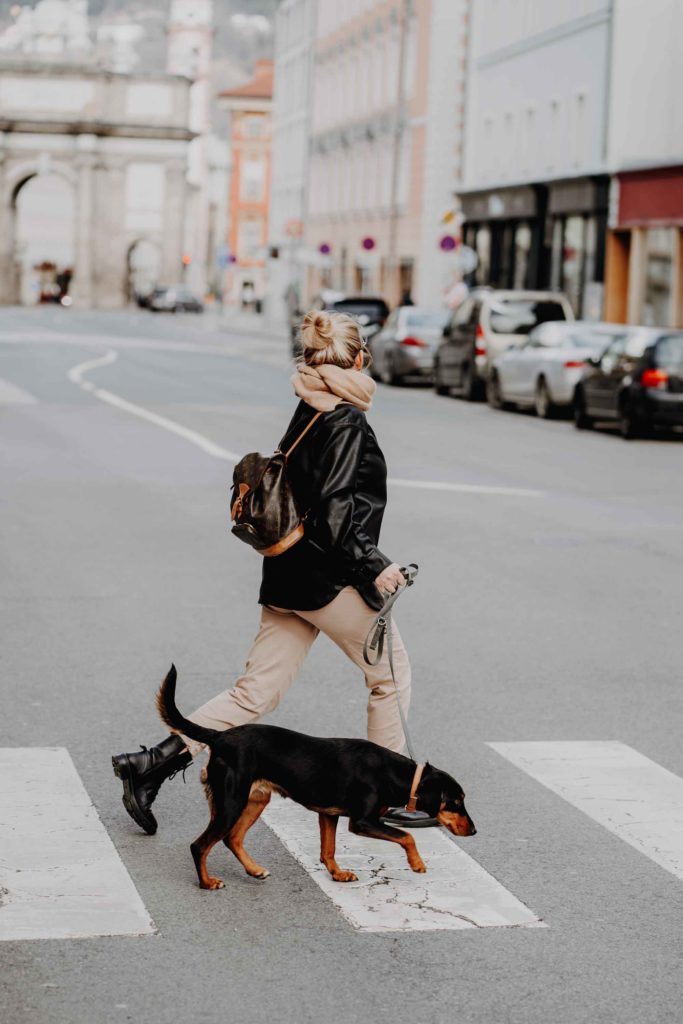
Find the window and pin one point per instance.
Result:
(250, 239)
(519, 316)
(669, 352)
(252, 180)
(659, 277)
(252, 126)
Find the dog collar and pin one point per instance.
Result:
(412, 800)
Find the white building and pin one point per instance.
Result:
(535, 191)
(386, 123)
(292, 99)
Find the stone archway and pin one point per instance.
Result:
(44, 221)
(144, 265)
(15, 180)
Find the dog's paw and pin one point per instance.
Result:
(260, 873)
(418, 866)
(344, 876)
(212, 883)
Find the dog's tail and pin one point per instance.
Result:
(166, 706)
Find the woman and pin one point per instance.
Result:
(330, 581)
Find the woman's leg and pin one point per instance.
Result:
(347, 620)
(276, 655)
(280, 647)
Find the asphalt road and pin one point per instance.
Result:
(551, 614)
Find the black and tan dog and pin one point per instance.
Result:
(334, 777)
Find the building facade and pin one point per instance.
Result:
(249, 107)
(536, 187)
(118, 145)
(645, 243)
(295, 22)
(384, 150)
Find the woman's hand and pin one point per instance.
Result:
(390, 579)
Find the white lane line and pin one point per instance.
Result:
(455, 894)
(10, 394)
(75, 375)
(630, 795)
(437, 485)
(60, 875)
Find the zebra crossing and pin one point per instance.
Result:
(61, 877)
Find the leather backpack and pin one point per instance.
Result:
(263, 509)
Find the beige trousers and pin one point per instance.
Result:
(283, 641)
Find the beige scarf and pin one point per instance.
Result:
(325, 386)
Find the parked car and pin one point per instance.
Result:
(482, 328)
(175, 300)
(544, 370)
(637, 381)
(405, 346)
(370, 312)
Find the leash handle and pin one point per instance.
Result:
(374, 642)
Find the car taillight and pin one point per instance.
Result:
(480, 343)
(573, 363)
(654, 379)
(414, 342)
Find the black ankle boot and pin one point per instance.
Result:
(142, 774)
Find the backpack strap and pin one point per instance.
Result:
(302, 434)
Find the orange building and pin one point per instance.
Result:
(250, 143)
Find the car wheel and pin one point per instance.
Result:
(493, 395)
(387, 373)
(630, 426)
(471, 389)
(543, 403)
(439, 386)
(582, 421)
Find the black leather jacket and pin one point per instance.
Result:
(339, 477)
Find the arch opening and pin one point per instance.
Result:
(44, 208)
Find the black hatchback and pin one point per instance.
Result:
(637, 381)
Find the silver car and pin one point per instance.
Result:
(543, 372)
(405, 346)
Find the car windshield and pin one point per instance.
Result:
(592, 338)
(669, 352)
(372, 309)
(519, 316)
(427, 320)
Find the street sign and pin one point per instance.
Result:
(368, 243)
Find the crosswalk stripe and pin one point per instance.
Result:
(615, 785)
(455, 894)
(60, 875)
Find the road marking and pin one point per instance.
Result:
(455, 894)
(75, 375)
(621, 789)
(438, 485)
(60, 875)
(10, 394)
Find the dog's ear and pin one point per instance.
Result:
(429, 796)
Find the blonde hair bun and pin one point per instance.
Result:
(317, 330)
(330, 337)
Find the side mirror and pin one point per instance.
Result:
(593, 361)
(446, 331)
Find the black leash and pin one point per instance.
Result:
(374, 642)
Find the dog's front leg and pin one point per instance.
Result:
(378, 830)
(328, 841)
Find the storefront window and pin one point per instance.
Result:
(659, 277)
(522, 251)
(572, 260)
(483, 248)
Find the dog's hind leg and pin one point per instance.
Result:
(328, 840)
(226, 806)
(378, 830)
(258, 801)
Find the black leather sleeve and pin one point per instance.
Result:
(336, 527)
